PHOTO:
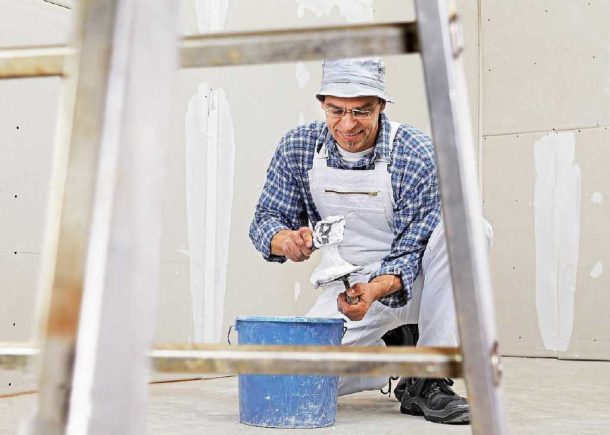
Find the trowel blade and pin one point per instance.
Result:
(329, 231)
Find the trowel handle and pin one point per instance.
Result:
(350, 300)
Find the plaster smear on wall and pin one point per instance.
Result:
(210, 159)
(597, 198)
(297, 290)
(211, 15)
(557, 224)
(354, 11)
(597, 270)
(302, 75)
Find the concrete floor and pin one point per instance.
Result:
(543, 396)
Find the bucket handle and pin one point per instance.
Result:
(344, 331)
(229, 335)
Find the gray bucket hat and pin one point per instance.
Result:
(355, 77)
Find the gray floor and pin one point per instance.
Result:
(543, 396)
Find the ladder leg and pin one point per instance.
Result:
(117, 325)
(70, 210)
(440, 45)
(109, 228)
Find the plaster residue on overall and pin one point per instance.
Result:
(354, 11)
(210, 159)
(557, 195)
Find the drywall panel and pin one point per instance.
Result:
(508, 180)
(18, 290)
(544, 65)
(33, 22)
(28, 117)
(544, 195)
(174, 319)
(215, 15)
(590, 338)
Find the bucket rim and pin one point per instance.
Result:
(289, 319)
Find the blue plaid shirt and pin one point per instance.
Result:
(286, 201)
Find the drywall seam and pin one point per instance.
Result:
(354, 11)
(557, 130)
(557, 232)
(211, 15)
(210, 157)
(480, 100)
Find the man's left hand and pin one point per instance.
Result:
(366, 294)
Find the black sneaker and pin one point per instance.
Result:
(435, 400)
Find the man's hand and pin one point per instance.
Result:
(294, 245)
(366, 294)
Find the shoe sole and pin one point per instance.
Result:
(449, 415)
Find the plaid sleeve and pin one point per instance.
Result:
(280, 205)
(416, 214)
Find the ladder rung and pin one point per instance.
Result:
(299, 44)
(242, 48)
(324, 360)
(16, 357)
(33, 61)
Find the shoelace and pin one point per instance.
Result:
(389, 392)
(434, 385)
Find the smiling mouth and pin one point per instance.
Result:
(350, 136)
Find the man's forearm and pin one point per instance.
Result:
(385, 285)
(277, 241)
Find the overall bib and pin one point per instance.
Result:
(366, 200)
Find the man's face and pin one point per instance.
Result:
(353, 133)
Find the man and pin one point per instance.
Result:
(382, 177)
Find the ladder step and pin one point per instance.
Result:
(33, 61)
(298, 44)
(16, 356)
(432, 362)
(320, 360)
(241, 48)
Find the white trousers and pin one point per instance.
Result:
(432, 308)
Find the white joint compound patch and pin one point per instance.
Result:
(557, 224)
(301, 120)
(297, 290)
(302, 75)
(210, 159)
(354, 11)
(597, 198)
(597, 270)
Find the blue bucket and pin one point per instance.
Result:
(286, 401)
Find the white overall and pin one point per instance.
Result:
(366, 200)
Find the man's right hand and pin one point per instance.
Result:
(294, 245)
